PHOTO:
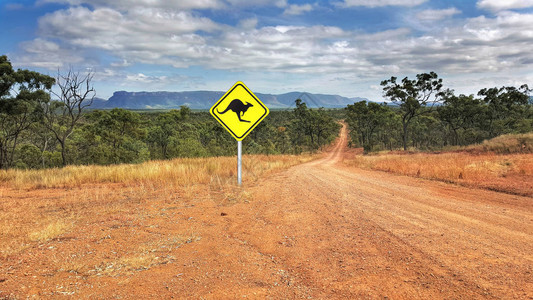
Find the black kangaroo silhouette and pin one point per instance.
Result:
(237, 107)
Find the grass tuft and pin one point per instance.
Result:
(51, 231)
(181, 172)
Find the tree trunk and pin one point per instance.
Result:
(164, 150)
(404, 137)
(12, 156)
(63, 152)
(42, 152)
(1, 156)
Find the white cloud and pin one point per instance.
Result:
(379, 3)
(41, 53)
(499, 44)
(250, 23)
(472, 83)
(125, 5)
(437, 14)
(286, 48)
(182, 39)
(121, 64)
(140, 35)
(240, 3)
(128, 4)
(80, 22)
(481, 45)
(498, 5)
(155, 36)
(141, 78)
(295, 9)
(508, 28)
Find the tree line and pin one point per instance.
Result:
(425, 115)
(45, 127)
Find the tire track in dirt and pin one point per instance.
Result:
(358, 233)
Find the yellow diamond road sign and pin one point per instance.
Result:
(239, 111)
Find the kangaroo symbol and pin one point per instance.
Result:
(237, 107)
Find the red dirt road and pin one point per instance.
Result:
(319, 230)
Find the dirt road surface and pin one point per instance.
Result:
(320, 230)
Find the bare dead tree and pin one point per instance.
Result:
(74, 95)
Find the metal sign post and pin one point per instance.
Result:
(239, 162)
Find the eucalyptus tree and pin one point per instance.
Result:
(21, 91)
(505, 107)
(366, 120)
(61, 116)
(414, 97)
(460, 113)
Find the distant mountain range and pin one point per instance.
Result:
(206, 99)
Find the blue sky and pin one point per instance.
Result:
(344, 47)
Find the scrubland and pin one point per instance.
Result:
(504, 164)
(41, 205)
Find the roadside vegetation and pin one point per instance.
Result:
(423, 115)
(482, 141)
(42, 129)
(175, 172)
(482, 165)
(504, 144)
(74, 195)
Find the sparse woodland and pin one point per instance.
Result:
(41, 129)
(425, 116)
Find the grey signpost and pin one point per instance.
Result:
(239, 162)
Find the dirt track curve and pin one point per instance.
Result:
(322, 230)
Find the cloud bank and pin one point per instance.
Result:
(178, 34)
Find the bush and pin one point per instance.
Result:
(28, 156)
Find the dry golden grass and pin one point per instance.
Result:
(509, 173)
(16, 236)
(506, 144)
(40, 206)
(181, 172)
(51, 231)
